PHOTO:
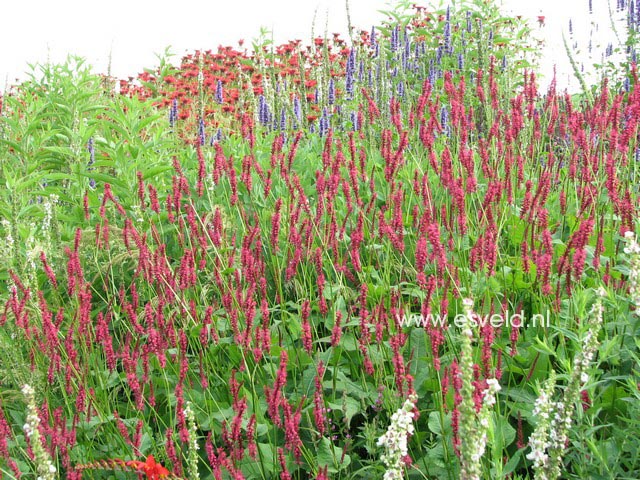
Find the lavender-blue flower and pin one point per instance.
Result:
(201, 134)
(283, 120)
(219, 92)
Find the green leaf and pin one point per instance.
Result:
(436, 426)
(103, 177)
(332, 456)
(542, 347)
(512, 463)
(153, 171)
(507, 432)
(348, 406)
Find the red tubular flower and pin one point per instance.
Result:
(275, 225)
(307, 339)
(455, 414)
(586, 401)
(153, 196)
(293, 443)
(322, 474)
(284, 474)
(152, 470)
(251, 441)
(319, 410)
(85, 203)
(336, 332)
(520, 442)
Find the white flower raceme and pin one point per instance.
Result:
(549, 439)
(48, 206)
(192, 461)
(474, 425)
(633, 250)
(7, 246)
(395, 440)
(475, 437)
(539, 440)
(44, 465)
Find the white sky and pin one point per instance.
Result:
(134, 31)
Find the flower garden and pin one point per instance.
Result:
(306, 261)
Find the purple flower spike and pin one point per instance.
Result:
(201, 135)
(219, 93)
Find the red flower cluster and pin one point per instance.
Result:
(151, 469)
